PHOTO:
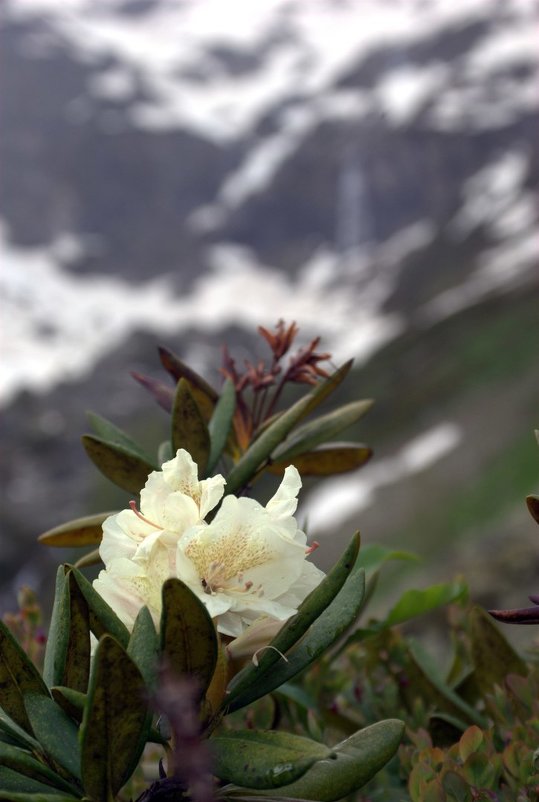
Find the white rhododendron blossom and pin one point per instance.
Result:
(248, 565)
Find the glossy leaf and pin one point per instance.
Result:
(123, 467)
(204, 394)
(114, 717)
(264, 759)
(112, 434)
(327, 460)
(72, 702)
(18, 676)
(87, 531)
(323, 633)
(322, 429)
(309, 610)
(221, 423)
(189, 429)
(67, 654)
(58, 637)
(493, 656)
(188, 636)
(55, 731)
(358, 759)
(143, 646)
(21, 761)
(274, 434)
(102, 617)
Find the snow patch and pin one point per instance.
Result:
(339, 500)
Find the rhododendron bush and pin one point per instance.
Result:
(198, 664)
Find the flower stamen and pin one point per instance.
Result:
(314, 545)
(133, 505)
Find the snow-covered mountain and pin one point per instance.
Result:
(186, 168)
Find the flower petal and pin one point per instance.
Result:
(284, 503)
(122, 533)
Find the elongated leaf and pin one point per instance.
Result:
(102, 617)
(434, 688)
(418, 602)
(189, 429)
(13, 796)
(162, 393)
(91, 558)
(22, 762)
(55, 731)
(86, 531)
(112, 434)
(113, 719)
(188, 636)
(264, 759)
(16, 734)
(14, 783)
(309, 610)
(322, 429)
(67, 655)
(358, 759)
(373, 556)
(58, 638)
(327, 460)
(324, 632)
(204, 394)
(143, 646)
(493, 656)
(72, 702)
(123, 467)
(220, 423)
(18, 676)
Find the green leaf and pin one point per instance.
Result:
(493, 656)
(309, 610)
(72, 702)
(189, 429)
(358, 759)
(67, 655)
(10, 796)
(16, 785)
(418, 602)
(16, 733)
(107, 431)
(373, 556)
(322, 429)
(220, 423)
(21, 761)
(431, 685)
(264, 759)
(113, 720)
(143, 646)
(275, 433)
(55, 731)
(327, 460)
(102, 617)
(86, 531)
(58, 637)
(18, 676)
(188, 636)
(203, 393)
(324, 632)
(123, 467)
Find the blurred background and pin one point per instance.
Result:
(180, 171)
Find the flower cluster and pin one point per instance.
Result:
(248, 564)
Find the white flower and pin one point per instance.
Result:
(172, 501)
(248, 565)
(250, 560)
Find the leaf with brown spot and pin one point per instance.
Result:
(189, 430)
(87, 531)
(327, 460)
(123, 467)
(18, 676)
